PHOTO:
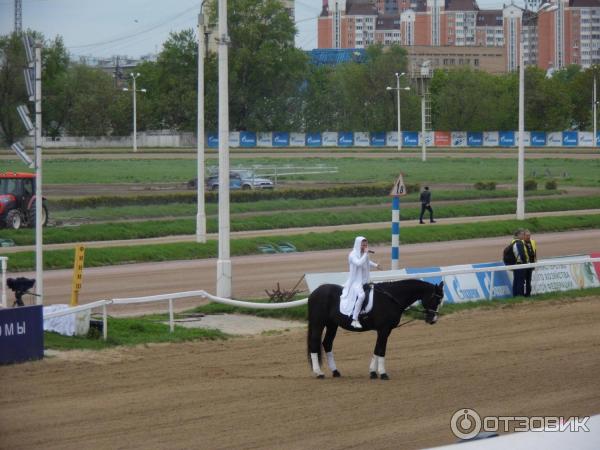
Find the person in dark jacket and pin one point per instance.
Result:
(531, 250)
(521, 257)
(425, 199)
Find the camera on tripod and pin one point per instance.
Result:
(20, 286)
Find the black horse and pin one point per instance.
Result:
(390, 300)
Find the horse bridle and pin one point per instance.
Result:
(423, 310)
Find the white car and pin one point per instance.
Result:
(251, 181)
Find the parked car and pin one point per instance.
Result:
(238, 179)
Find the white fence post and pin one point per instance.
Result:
(492, 285)
(104, 323)
(171, 324)
(3, 260)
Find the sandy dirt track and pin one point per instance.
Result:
(253, 274)
(531, 359)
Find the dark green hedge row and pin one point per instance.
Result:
(350, 190)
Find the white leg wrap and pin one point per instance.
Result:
(373, 365)
(314, 357)
(380, 365)
(331, 361)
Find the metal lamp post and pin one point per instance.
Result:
(521, 157)
(134, 94)
(398, 89)
(595, 106)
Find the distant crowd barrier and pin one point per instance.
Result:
(458, 139)
(324, 139)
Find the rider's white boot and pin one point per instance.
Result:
(355, 324)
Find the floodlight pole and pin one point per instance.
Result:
(521, 157)
(223, 261)
(201, 213)
(39, 263)
(595, 105)
(134, 76)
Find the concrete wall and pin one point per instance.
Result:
(144, 139)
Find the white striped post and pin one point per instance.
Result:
(395, 232)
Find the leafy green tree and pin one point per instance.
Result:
(12, 87)
(547, 101)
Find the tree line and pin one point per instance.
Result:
(274, 87)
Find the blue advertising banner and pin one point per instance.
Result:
(569, 138)
(507, 138)
(432, 279)
(21, 334)
(378, 139)
(281, 139)
(538, 138)
(598, 138)
(247, 139)
(313, 139)
(213, 140)
(502, 283)
(345, 139)
(410, 138)
(475, 138)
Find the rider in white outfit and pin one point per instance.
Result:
(353, 292)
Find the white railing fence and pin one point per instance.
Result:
(170, 298)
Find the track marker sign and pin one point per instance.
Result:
(399, 189)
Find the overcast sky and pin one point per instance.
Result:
(135, 27)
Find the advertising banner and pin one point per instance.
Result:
(378, 139)
(430, 279)
(213, 140)
(410, 139)
(569, 138)
(345, 139)
(598, 139)
(538, 138)
(298, 140)
(526, 138)
(361, 139)
(563, 277)
(459, 138)
(264, 139)
(247, 139)
(554, 139)
(313, 140)
(506, 138)
(475, 139)
(234, 139)
(282, 139)
(491, 139)
(21, 334)
(329, 138)
(391, 139)
(463, 287)
(596, 264)
(586, 139)
(429, 138)
(502, 281)
(443, 139)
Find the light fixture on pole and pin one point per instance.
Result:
(134, 94)
(24, 115)
(398, 89)
(21, 153)
(201, 213)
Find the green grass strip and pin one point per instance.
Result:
(130, 331)
(96, 257)
(151, 229)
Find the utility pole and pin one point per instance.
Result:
(18, 16)
(201, 213)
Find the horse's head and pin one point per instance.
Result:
(433, 303)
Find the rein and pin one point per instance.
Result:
(423, 310)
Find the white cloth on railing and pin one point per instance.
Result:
(77, 323)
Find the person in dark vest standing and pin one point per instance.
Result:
(426, 205)
(531, 250)
(521, 257)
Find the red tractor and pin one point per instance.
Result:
(17, 200)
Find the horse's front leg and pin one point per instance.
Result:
(377, 365)
(330, 332)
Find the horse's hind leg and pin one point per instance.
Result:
(314, 347)
(330, 332)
